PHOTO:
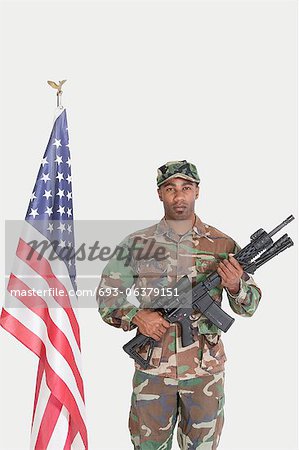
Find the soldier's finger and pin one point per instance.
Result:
(226, 266)
(159, 328)
(225, 272)
(158, 332)
(235, 263)
(163, 328)
(222, 271)
(227, 263)
(163, 324)
(231, 269)
(150, 334)
(223, 275)
(155, 332)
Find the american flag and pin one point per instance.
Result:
(46, 322)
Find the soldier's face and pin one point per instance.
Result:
(178, 197)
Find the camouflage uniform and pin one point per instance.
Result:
(182, 383)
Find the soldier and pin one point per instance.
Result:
(183, 384)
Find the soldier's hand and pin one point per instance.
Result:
(230, 272)
(151, 323)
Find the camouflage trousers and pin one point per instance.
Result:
(157, 403)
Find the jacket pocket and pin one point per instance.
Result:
(151, 268)
(213, 356)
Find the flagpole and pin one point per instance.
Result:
(59, 95)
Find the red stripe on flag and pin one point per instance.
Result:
(54, 382)
(56, 336)
(48, 423)
(70, 438)
(40, 372)
(41, 266)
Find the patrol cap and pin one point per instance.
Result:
(181, 169)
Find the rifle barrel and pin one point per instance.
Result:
(280, 226)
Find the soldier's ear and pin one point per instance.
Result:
(159, 194)
(197, 192)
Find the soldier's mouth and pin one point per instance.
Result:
(179, 207)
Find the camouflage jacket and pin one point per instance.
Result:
(140, 265)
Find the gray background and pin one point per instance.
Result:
(212, 82)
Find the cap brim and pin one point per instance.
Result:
(178, 175)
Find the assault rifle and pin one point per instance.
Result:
(185, 299)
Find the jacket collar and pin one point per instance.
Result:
(164, 228)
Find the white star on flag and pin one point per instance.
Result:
(45, 177)
(60, 193)
(61, 227)
(49, 211)
(60, 210)
(58, 160)
(33, 196)
(44, 162)
(57, 143)
(47, 194)
(50, 227)
(59, 176)
(61, 243)
(33, 213)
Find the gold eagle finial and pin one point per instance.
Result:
(59, 90)
(57, 86)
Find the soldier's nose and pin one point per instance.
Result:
(177, 196)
